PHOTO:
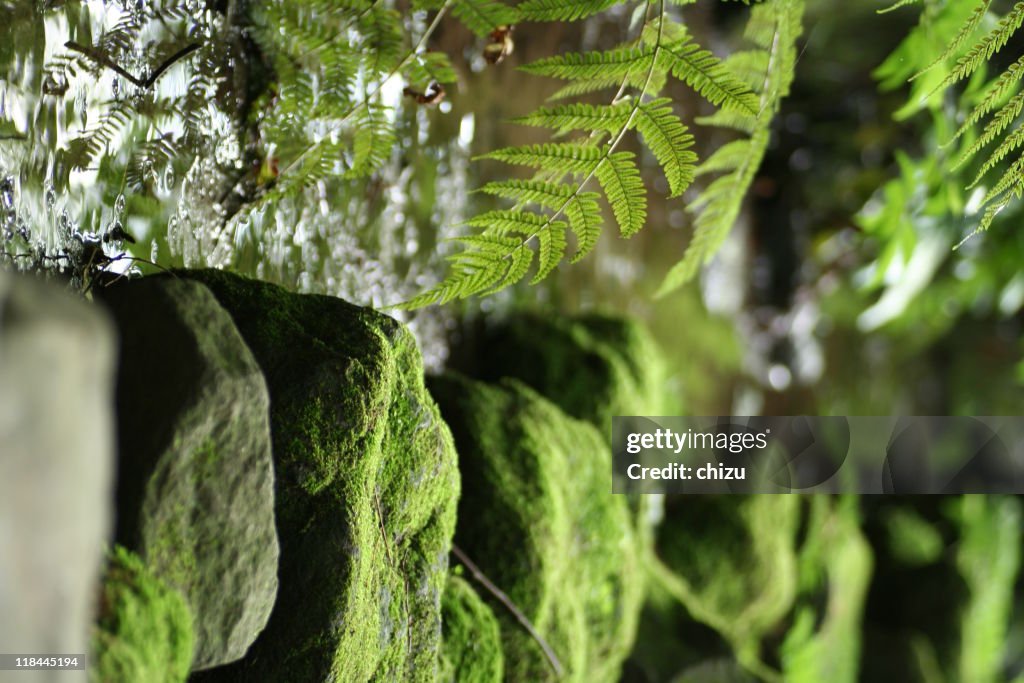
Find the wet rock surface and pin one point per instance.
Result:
(56, 461)
(195, 481)
(537, 517)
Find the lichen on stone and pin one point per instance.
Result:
(365, 490)
(472, 638)
(144, 628)
(538, 517)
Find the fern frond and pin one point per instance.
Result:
(372, 142)
(483, 16)
(545, 194)
(983, 50)
(576, 116)
(705, 73)
(584, 216)
(718, 205)
(1003, 118)
(562, 10)
(551, 246)
(381, 30)
(565, 157)
(728, 157)
(742, 123)
(613, 64)
(1013, 177)
(669, 141)
(968, 28)
(1009, 144)
(508, 223)
(620, 179)
(94, 141)
(582, 87)
(1007, 82)
(427, 67)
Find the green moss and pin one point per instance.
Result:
(365, 489)
(538, 516)
(472, 638)
(592, 366)
(731, 560)
(144, 629)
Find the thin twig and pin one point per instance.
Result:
(102, 59)
(510, 606)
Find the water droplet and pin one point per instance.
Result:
(119, 205)
(169, 178)
(64, 227)
(7, 193)
(154, 251)
(51, 197)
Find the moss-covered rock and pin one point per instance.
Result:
(538, 517)
(144, 629)
(195, 478)
(593, 366)
(365, 490)
(731, 560)
(472, 638)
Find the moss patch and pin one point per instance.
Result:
(592, 366)
(144, 629)
(365, 490)
(538, 517)
(472, 638)
(731, 560)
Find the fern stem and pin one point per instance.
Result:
(409, 56)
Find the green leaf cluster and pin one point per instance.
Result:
(561, 200)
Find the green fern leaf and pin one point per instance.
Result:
(1013, 176)
(705, 73)
(562, 10)
(669, 141)
(728, 157)
(620, 179)
(609, 64)
(508, 223)
(962, 35)
(483, 16)
(566, 157)
(373, 141)
(1009, 144)
(743, 123)
(1003, 118)
(519, 262)
(381, 28)
(551, 247)
(584, 216)
(1007, 82)
(983, 50)
(588, 117)
(548, 195)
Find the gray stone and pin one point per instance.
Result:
(56, 453)
(195, 483)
